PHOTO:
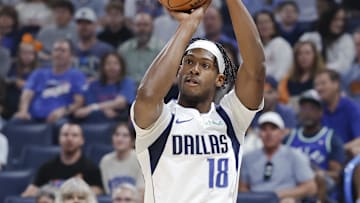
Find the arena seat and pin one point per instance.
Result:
(21, 135)
(97, 133)
(96, 152)
(348, 177)
(17, 199)
(13, 183)
(257, 197)
(104, 199)
(33, 157)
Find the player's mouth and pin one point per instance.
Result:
(191, 81)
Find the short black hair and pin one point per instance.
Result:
(63, 4)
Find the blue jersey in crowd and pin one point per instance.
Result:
(98, 92)
(52, 91)
(345, 120)
(320, 147)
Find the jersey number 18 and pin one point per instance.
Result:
(218, 178)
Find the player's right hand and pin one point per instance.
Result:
(197, 13)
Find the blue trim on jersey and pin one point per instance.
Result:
(157, 148)
(231, 133)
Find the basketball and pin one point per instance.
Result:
(182, 5)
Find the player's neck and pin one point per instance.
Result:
(202, 107)
(70, 158)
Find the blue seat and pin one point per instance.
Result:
(13, 183)
(16, 199)
(257, 197)
(33, 157)
(348, 176)
(97, 133)
(96, 152)
(104, 199)
(21, 135)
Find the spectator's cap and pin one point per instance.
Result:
(311, 96)
(86, 14)
(270, 83)
(273, 118)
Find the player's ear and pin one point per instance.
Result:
(220, 80)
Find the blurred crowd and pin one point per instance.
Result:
(66, 63)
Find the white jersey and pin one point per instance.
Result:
(192, 157)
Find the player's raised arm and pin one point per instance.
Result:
(162, 72)
(251, 75)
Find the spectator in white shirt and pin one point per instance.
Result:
(336, 46)
(278, 52)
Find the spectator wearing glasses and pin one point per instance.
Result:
(276, 167)
(125, 193)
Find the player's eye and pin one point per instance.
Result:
(205, 65)
(189, 61)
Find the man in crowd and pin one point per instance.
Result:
(70, 163)
(276, 167)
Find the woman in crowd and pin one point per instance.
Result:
(109, 97)
(278, 52)
(307, 62)
(75, 190)
(23, 66)
(331, 40)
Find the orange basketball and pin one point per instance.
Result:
(182, 5)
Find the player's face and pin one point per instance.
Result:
(71, 138)
(75, 198)
(310, 114)
(198, 76)
(326, 88)
(122, 139)
(271, 135)
(124, 196)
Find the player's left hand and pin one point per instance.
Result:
(197, 13)
(56, 114)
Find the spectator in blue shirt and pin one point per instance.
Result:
(323, 147)
(342, 114)
(53, 94)
(271, 103)
(109, 97)
(88, 49)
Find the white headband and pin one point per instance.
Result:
(212, 48)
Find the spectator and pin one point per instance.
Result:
(340, 113)
(109, 98)
(277, 63)
(88, 50)
(45, 195)
(62, 28)
(143, 46)
(289, 26)
(75, 190)
(2, 101)
(324, 148)
(9, 29)
(4, 151)
(307, 62)
(323, 6)
(125, 193)
(34, 14)
(336, 46)
(116, 31)
(134, 7)
(70, 163)
(53, 94)
(22, 67)
(213, 26)
(271, 103)
(276, 167)
(351, 80)
(121, 166)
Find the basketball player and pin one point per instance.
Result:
(190, 150)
